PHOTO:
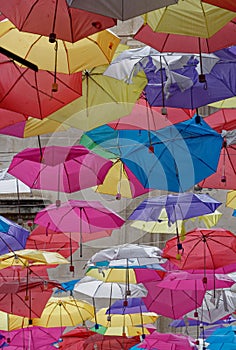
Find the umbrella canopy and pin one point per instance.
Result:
(50, 17)
(98, 49)
(185, 322)
(59, 168)
(63, 312)
(222, 338)
(74, 339)
(26, 298)
(113, 290)
(189, 18)
(134, 306)
(12, 236)
(31, 257)
(122, 10)
(203, 249)
(223, 119)
(32, 338)
(128, 331)
(28, 92)
(228, 4)
(103, 342)
(165, 42)
(104, 99)
(9, 322)
(30, 126)
(117, 320)
(163, 152)
(216, 305)
(176, 341)
(174, 298)
(231, 199)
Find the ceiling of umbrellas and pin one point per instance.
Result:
(63, 68)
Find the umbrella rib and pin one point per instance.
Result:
(95, 42)
(102, 88)
(67, 177)
(28, 15)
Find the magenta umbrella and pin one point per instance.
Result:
(33, 338)
(171, 297)
(78, 216)
(59, 168)
(159, 341)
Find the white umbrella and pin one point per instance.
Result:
(216, 305)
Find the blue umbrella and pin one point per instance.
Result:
(12, 236)
(173, 159)
(165, 86)
(223, 339)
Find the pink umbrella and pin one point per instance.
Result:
(9, 118)
(158, 341)
(78, 216)
(226, 4)
(33, 338)
(171, 297)
(59, 168)
(223, 119)
(151, 118)
(164, 42)
(26, 91)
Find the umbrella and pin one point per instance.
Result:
(117, 320)
(222, 338)
(231, 199)
(228, 4)
(104, 99)
(12, 236)
(28, 92)
(31, 257)
(134, 306)
(161, 340)
(184, 322)
(216, 305)
(103, 342)
(9, 322)
(59, 168)
(55, 19)
(63, 312)
(32, 338)
(163, 152)
(73, 340)
(26, 297)
(174, 298)
(165, 42)
(62, 56)
(78, 216)
(30, 126)
(189, 18)
(121, 182)
(203, 249)
(122, 10)
(128, 331)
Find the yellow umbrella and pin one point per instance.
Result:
(228, 103)
(231, 199)
(113, 275)
(189, 17)
(9, 322)
(128, 331)
(117, 320)
(104, 99)
(30, 257)
(64, 312)
(92, 51)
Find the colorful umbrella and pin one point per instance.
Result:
(216, 305)
(134, 306)
(74, 339)
(174, 298)
(163, 152)
(222, 338)
(165, 42)
(9, 322)
(78, 216)
(203, 249)
(120, 10)
(227, 103)
(63, 312)
(176, 341)
(32, 338)
(231, 199)
(228, 4)
(55, 19)
(184, 322)
(59, 168)
(128, 331)
(103, 342)
(28, 92)
(189, 18)
(104, 99)
(12, 236)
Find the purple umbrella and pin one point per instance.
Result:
(134, 306)
(12, 236)
(192, 322)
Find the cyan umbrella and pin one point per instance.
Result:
(222, 339)
(172, 159)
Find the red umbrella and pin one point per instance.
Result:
(8, 118)
(165, 42)
(103, 342)
(75, 339)
(28, 92)
(203, 249)
(225, 175)
(226, 4)
(54, 19)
